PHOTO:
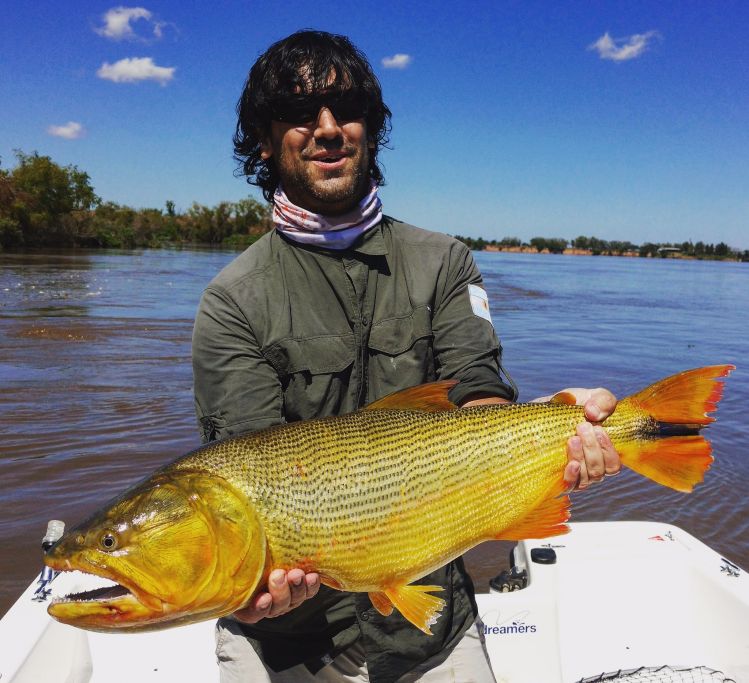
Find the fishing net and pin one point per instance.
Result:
(663, 674)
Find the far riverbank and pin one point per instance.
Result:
(571, 251)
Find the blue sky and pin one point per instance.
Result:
(623, 120)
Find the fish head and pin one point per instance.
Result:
(182, 547)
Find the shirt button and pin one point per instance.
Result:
(365, 321)
(364, 616)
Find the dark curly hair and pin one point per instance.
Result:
(304, 62)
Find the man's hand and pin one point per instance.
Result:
(590, 453)
(286, 590)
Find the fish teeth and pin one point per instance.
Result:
(68, 583)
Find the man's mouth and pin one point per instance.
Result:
(329, 160)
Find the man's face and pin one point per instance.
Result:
(323, 164)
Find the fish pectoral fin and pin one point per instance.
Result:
(546, 519)
(381, 603)
(565, 397)
(414, 603)
(427, 398)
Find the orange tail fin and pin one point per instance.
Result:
(686, 398)
(679, 405)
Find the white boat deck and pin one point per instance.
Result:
(663, 598)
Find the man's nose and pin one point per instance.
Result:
(327, 125)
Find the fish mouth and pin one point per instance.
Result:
(102, 594)
(117, 605)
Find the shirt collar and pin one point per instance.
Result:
(373, 241)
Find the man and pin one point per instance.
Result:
(337, 307)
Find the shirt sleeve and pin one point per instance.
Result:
(466, 346)
(236, 389)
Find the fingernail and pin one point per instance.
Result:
(264, 602)
(297, 580)
(278, 579)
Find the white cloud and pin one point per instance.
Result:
(397, 61)
(72, 130)
(623, 49)
(134, 69)
(117, 23)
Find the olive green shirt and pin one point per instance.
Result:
(288, 332)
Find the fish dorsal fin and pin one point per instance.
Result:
(427, 398)
(415, 604)
(566, 397)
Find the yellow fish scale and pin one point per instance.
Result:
(384, 496)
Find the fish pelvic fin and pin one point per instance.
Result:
(381, 603)
(546, 519)
(415, 604)
(426, 398)
(674, 455)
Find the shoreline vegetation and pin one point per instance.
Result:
(45, 205)
(592, 246)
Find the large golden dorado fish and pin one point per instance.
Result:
(372, 501)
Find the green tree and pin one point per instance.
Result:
(510, 242)
(538, 243)
(48, 202)
(251, 217)
(581, 242)
(556, 245)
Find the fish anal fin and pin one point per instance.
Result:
(546, 519)
(679, 462)
(566, 397)
(427, 398)
(381, 603)
(416, 605)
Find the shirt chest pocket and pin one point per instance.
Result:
(400, 353)
(315, 374)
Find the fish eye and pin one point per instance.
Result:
(108, 541)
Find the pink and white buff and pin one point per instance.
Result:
(332, 232)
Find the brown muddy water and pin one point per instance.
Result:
(96, 385)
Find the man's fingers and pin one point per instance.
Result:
(575, 474)
(594, 463)
(258, 609)
(313, 584)
(280, 591)
(285, 592)
(611, 461)
(298, 587)
(599, 405)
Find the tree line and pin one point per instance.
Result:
(557, 245)
(43, 204)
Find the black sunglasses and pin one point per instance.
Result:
(345, 106)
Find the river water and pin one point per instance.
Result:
(95, 377)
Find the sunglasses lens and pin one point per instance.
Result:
(294, 112)
(303, 109)
(349, 107)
